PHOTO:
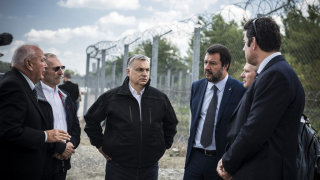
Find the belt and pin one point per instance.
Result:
(206, 152)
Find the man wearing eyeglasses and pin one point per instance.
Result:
(141, 124)
(262, 133)
(24, 130)
(57, 106)
(71, 88)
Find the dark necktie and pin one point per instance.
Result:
(35, 93)
(257, 75)
(207, 130)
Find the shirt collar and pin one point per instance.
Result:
(47, 89)
(267, 60)
(133, 91)
(220, 85)
(28, 80)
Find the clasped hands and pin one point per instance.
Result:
(67, 152)
(222, 172)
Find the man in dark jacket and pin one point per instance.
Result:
(141, 124)
(70, 87)
(58, 108)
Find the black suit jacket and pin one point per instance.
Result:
(72, 89)
(263, 130)
(22, 146)
(232, 94)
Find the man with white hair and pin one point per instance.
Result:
(248, 74)
(24, 131)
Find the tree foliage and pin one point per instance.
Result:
(227, 34)
(4, 67)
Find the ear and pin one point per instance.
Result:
(254, 43)
(28, 64)
(128, 71)
(226, 66)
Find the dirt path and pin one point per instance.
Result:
(88, 163)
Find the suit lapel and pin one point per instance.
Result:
(29, 92)
(226, 95)
(202, 89)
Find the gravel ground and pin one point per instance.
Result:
(88, 163)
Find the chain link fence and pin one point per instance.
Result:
(300, 26)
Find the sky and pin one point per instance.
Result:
(67, 27)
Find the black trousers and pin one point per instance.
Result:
(201, 167)
(114, 171)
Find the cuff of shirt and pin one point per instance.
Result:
(46, 136)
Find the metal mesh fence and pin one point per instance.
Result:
(300, 27)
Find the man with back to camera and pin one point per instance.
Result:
(23, 127)
(140, 125)
(213, 99)
(262, 133)
(70, 87)
(57, 106)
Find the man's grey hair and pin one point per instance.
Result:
(49, 55)
(139, 57)
(23, 52)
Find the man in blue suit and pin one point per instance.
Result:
(262, 132)
(213, 100)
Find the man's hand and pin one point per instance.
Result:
(222, 172)
(68, 151)
(105, 156)
(58, 156)
(57, 135)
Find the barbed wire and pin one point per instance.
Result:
(185, 28)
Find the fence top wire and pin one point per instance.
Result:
(184, 28)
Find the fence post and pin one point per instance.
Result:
(125, 59)
(196, 54)
(114, 74)
(180, 80)
(86, 86)
(154, 64)
(97, 80)
(103, 70)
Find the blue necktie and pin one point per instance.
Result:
(207, 130)
(35, 93)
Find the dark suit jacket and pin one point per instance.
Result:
(22, 146)
(72, 89)
(232, 94)
(263, 130)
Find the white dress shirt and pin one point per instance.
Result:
(54, 99)
(206, 101)
(137, 96)
(267, 60)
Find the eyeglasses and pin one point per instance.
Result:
(255, 28)
(58, 68)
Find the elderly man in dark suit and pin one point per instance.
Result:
(263, 130)
(23, 128)
(213, 99)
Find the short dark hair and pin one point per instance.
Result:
(225, 55)
(267, 36)
(67, 75)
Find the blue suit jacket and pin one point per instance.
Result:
(263, 131)
(232, 94)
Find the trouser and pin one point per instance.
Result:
(115, 171)
(201, 167)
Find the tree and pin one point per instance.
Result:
(168, 56)
(225, 33)
(4, 67)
